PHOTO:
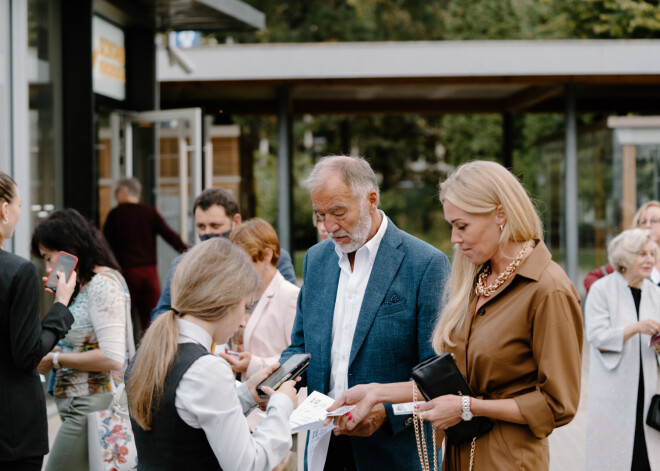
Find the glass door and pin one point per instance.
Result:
(162, 149)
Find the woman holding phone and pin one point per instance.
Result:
(186, 408)
(268, 330)
(96, 349)
(23, 342)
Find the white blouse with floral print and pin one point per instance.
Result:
(100, 313)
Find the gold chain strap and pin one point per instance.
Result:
(472, 452)
(418, 421)
(419, 435)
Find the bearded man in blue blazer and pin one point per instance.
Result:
(370, 297)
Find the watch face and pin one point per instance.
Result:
(466, 415)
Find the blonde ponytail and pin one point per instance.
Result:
(147, 381)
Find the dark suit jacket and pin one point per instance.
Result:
(393, 332)
(23, 343)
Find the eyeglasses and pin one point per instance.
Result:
(651, 221)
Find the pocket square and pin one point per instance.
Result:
(393, 299)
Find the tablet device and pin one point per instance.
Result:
(291, 368)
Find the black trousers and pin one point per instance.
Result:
(340, 455)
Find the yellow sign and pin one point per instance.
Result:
(108, 59)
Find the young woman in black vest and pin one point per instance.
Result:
(186, 408)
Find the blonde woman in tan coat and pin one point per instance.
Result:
(512, 321)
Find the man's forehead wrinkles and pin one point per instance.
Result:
(335, 207)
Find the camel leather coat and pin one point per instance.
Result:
(524, 343)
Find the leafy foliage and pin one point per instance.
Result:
(412, 153)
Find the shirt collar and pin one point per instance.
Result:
(269, 292)
(534, 264)
(655, 276)
(372, 244)
(189, 332)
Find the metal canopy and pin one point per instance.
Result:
(200, 15)
(419, 77)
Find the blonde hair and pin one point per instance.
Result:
(641, 212)
(255, 236)
(213, 278)
(622, 250)
(479, 187)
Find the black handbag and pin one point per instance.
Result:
(439, 376)
(653, 416)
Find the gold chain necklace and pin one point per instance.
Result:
(482, 290)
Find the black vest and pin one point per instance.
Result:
(171, 444)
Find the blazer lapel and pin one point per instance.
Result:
(258, 314)
(386, 265)
(326, 281)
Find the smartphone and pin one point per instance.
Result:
(65, 263)
(291, 368)
(232, 353)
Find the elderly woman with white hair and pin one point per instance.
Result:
(622, 312)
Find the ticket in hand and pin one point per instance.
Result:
(405, 408)
(341, 411)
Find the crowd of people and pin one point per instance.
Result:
(375, 302)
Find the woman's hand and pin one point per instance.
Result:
(65, 288)
(364, 398)
(442, 412)
(256, 379)
(648, 327)
(46, 364)
(240, 364)
(288, 388)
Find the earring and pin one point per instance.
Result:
(5, 220)
(501, 227)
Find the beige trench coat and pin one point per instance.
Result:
(524, 343)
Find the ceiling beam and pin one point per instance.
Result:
(530, 97)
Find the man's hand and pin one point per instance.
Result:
(367, 426)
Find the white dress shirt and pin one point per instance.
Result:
(209, 398)
(350, 293)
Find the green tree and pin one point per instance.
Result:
(591, 19)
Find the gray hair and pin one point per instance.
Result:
(623, 249)
(132, 185)
(355, 172)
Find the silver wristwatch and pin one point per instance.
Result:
(466, 414)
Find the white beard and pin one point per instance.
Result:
(358, 237)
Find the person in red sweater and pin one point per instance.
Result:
(131, 229)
